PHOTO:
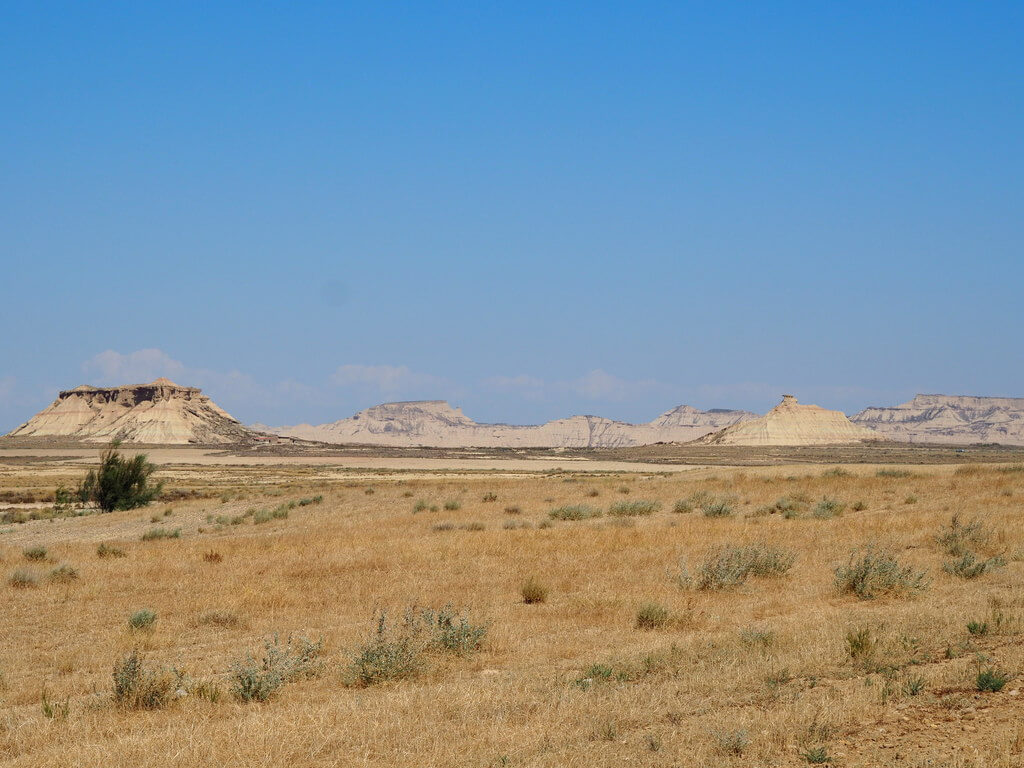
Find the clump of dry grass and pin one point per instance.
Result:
(533, 591)
(139, 686)
(574, 512)
(635, 508)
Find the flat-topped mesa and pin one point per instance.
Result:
(790, 423)
(160, 412)
(435, 423)
(955, 419)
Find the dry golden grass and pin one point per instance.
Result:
(759, 675)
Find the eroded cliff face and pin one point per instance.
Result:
(159, 412)
(436, 423)
(958, 419)
(790, 423)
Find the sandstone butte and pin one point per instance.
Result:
(956, 419)
(436, 423)
(160, 412)
(790, 423)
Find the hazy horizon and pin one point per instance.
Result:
(530, 212)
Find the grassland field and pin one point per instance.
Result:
(517, 618)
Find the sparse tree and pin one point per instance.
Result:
(119, 483)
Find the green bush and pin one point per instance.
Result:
(634, 508)
(958, 536)
(452, 631)
(828, 508)
(730, 566)
(991, 680)
(34, 554)
(258, 679)
(119, 483)
(155, 534)
(23, 578)
(390, 654)
(574, 512)
(62, 574)
(652, 616)
(452, 505)
(872, 573)
(142, 619)
(718, 508)
(138, 687)
(970, 566)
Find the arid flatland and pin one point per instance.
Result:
(772, 670)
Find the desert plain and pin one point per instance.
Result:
(603, 609)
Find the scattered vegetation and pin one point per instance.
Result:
(652, 616)
(34, 554)
(970, 566)
(718, 507)
(828, 508)
(62, 574)
(22, 578)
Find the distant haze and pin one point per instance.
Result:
(527, 210)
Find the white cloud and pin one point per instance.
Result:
(137, 367)
(385, 378)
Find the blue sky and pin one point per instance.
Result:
(529, 209)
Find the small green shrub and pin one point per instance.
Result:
(62, 574)
(910, 499)
(574, 512)
(34, 554)
(734, 742)
(634, 508)
(318, 499)
(390, 654)
(513, 511)
(836, 472)
(452, 631)
(156, 534)
(452, 505)
(914, 685)
(816, 756)
(730, 566)
(977, 628)
(420, 506)
(859, 506)
(828, 508)
(958, 536)
(105, 551)
(533, 591)
(718, 508)
(991, 680)
(138, 687)
(872, 573)
(489, 497)
(142, 619)
(652, 616)
(894, 473)
(861, 644)
(23, 578)
(258, 679)
(969, 566)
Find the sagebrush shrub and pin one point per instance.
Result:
(634, 508)
(970, 566)
(138, 687)
(873, 572)
(34, 554)
(142, 619)
(730, 566)
(255, 679)
(574, 512)
(652, 616)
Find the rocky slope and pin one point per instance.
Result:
(949, 419)
(160, 412)
(436, 423)
(790, 423)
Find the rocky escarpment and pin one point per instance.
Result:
(790, 423)
(159, 412)
(957, 419)
(435, 423)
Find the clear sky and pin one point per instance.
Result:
(530, 209)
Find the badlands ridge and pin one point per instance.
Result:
(163, 412)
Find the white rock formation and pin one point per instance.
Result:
(790, 423)
(160, 412)
(949, 419)
(436, 423)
